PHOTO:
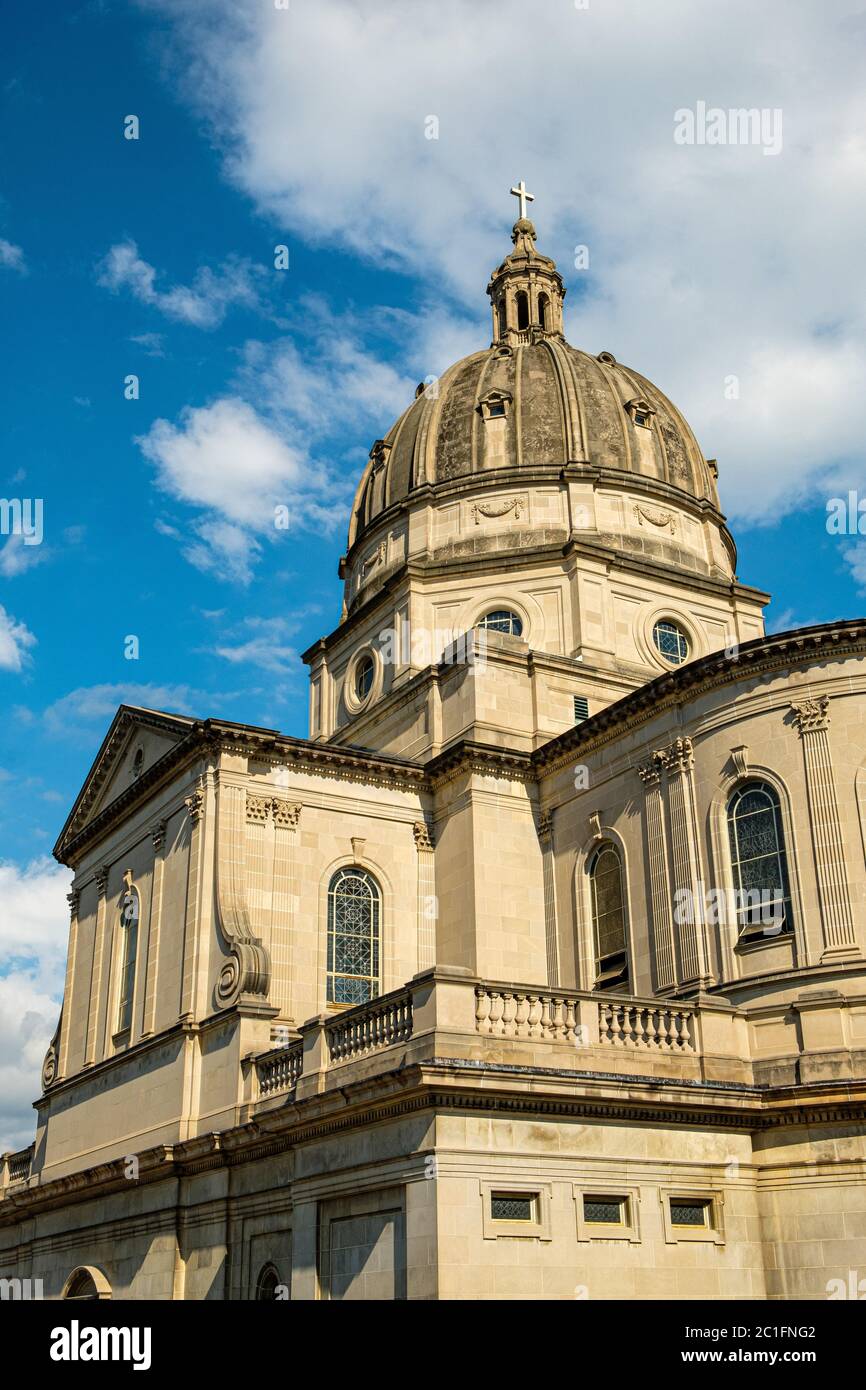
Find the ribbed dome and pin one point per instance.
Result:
(550, 404)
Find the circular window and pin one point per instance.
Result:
(671, 642)
(502, 620)
(364, 673)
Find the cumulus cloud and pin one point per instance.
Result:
(17, 556)
(705, 262)
(16, 640)
(203, 304)
(253, 471)
(94, 706)
(34, 922)
(12, 257)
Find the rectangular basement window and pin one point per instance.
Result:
(686, 1212)
(605, 1211)
(513, 1206)
(581, 708)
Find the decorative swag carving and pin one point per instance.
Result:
(492, 509)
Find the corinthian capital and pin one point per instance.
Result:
(811, 715)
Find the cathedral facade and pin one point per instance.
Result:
(538, 969)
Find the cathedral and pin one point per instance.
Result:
(537, 970)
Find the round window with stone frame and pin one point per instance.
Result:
(363, 677)
(670, 642)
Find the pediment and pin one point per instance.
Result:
(137, 740)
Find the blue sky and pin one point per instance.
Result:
(307, 127)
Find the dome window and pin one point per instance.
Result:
(502, 620)
(544, 311)
(671, 642)
(522, 309)
(364, 673)
(641, 413)
(495, 405)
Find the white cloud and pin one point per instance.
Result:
(150, 343)
(855, 558)
(705, 262)
(15, 642)
(267, 649)
(34, 924)
(97, 705)
(203, 304)
(12, 257)
(16, 556)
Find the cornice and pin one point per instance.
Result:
(453, 1084)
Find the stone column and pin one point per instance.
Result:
(812, 720)
(678, 760)
(195, 807)
(545, 837)
(660, 913)
(427, 905)
(284, 899)
(73, 899)
(152, 977)
(96, 968)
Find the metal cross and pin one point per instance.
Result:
(521, 193)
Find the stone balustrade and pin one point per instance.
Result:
(446, 1012)
(369, 1027)
(15, 1167)
(623, 1023)
(278, 1070)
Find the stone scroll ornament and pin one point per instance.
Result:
(49, 1066)
(246, 975)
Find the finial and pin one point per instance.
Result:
(520, 192)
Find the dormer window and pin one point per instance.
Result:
(495, 405)
(641, 413)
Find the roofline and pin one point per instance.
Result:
(716, 669)
(671, 688)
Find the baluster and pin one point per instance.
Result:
(545, 1023)
(497, 1009)
(509, 1014)
(521, 1015)
(482, 1011)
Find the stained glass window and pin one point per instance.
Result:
(354, 912)
(758, 860)
(604, 1211)
(129, 914)
(671, 642)
(608, 916)
(686, 1213)
(512, 1206)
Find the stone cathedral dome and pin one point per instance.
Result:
(530, 402)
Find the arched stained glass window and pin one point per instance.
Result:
(759, 861)
(354, 914)
(608, 917)
(129, 915)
